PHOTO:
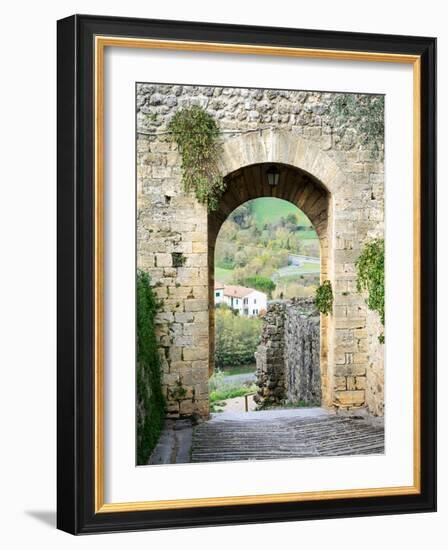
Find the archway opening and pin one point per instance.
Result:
(267, 246)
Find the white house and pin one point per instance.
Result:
(247, 301)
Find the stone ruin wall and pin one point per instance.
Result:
(270, 357)
(172, 227)
(302, 352)
(288, 357)
(375, 369)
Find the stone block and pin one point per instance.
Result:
(350, 398)
(196, 236)
(350, 322)
(183, 341)
(350, 370)
(344, 341)
(201, 390)
(196, 260)
(183, 317)
(196, 305)
(196, 329)
(200, 292)
(201, 316)
(166, 316)
(199, 247)
(164, 260)
(179, 292)
(183, 247)
(186, 407)
(350, 383)
(340, 383)
(173, 305)
(196, 353)
(172, 408)
(175, 353)
(178, 367)
(360, 358)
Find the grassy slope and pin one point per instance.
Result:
(268, 210)
(223, 275)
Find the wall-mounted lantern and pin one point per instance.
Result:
(273, 175)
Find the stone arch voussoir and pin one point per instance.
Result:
(280, 146)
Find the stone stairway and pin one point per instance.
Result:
(288, 433)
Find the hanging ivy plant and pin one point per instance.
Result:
(150, 398)
(196, 132)
(324, 297)
(370, 269)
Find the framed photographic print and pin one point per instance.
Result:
(247, 274)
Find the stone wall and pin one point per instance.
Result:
(322, 134)
(270, 357)
(288, 357)
(302, 352)
(375, 367)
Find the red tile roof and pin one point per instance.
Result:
(237, 291)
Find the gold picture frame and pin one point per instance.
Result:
(120, 38)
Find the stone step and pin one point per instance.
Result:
(268, 435)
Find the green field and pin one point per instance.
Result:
(292, 273)
(223, 275)
(242, 369)
(270, 210)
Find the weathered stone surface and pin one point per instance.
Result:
(350, 398)
(374, 382)
(267, 435)
(288, 357)
(302, 352)
(304, 130)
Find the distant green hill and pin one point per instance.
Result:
(257, 241)
(270, 210)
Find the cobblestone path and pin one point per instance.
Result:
(285, 433)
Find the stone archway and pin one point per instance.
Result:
(340, 191)
(244, 161)
(300, 189)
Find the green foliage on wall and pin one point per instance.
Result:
(236, 338)
(178, 259)
(150, 400)
(196, 132)
(264, 284)
(324, 297)
(370, 270)
(363, 113)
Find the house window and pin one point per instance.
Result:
(245, 301)
(255, 312)
(236, 301)
(255, 300)
(217, 294)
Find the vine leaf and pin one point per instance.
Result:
(324, 297)
(370, 271)
(195, 132)
(150, 397)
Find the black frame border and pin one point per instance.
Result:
(76, 262)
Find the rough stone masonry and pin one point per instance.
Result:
(324, 135)
(288, 357)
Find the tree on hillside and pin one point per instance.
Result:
(264, 284)
(236, 338)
